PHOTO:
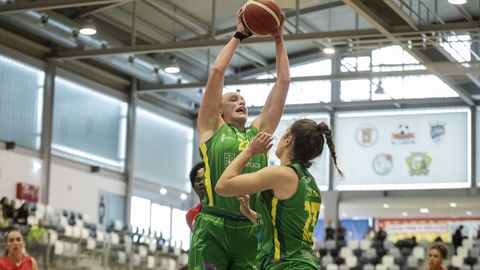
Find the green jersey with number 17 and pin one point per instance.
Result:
(286, 226)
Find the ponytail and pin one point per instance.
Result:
(327, 132)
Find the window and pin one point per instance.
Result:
(458, 46)
(355, 90)
(163, 143)
(299, 93)
(425, 86)
(21, 103)
(88, 126)
(353, 64)
(160, 220)
(140, 213)
(180, 232)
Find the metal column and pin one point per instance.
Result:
(47, 125)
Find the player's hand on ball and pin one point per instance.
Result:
(240, 26)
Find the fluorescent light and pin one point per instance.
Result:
(183, 196)
(163, 191)
(424, 210)
(344, 214)
(469, 213)
(329, 50)
(404, 214)
(457, 2)
(453, 204)
(386, 205)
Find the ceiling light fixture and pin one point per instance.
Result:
(469, 213)
(404, 214)
(329, 50)
(163, 191)
(88, 28)
(457, 2)
(386, 205)
(172, 66)
(453, 204)
(424, 210)
(183, 196)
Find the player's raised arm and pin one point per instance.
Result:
(270, 116)
(209, 119)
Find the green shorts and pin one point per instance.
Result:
(266, 262)
(222, 241)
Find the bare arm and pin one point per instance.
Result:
(246, 210)
(34, 264)
(209, 119)
(282, 180)
(268, 120)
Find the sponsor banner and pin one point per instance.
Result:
(428, 229)
(403, 149)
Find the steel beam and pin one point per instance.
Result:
(363, 105)
(51, 4)
(189, 45)
(447, 68)
(96, 9)
(196, 44)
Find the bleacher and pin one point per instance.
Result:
(74, 242)
(403, 255)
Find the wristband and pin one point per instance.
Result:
(240, 36)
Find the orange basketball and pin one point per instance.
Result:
(262, 17)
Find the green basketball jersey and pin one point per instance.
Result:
(217, 153)
(286, 226)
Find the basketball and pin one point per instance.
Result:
(262, 17)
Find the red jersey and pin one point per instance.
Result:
(191, 216)
(26, 264)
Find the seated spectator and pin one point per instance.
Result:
(370, 235)
(341, 232)
(457, 238)
(22, 215)
(381, 235)
(37, 233)
(8, 209)
(15, 257)
(438, 239)
(329, 231)
(436, 254)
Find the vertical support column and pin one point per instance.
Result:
(297, 17)
(130, 147)
(47, 125)
(473, 147)
(131, 119)
(335, 88)
(330, 201)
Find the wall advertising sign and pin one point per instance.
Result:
(403, 149)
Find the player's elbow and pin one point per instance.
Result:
(284, 81)
(220, 189)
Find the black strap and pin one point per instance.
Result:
(240, 36)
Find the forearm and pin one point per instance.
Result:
(225, 56)
(282, 62)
